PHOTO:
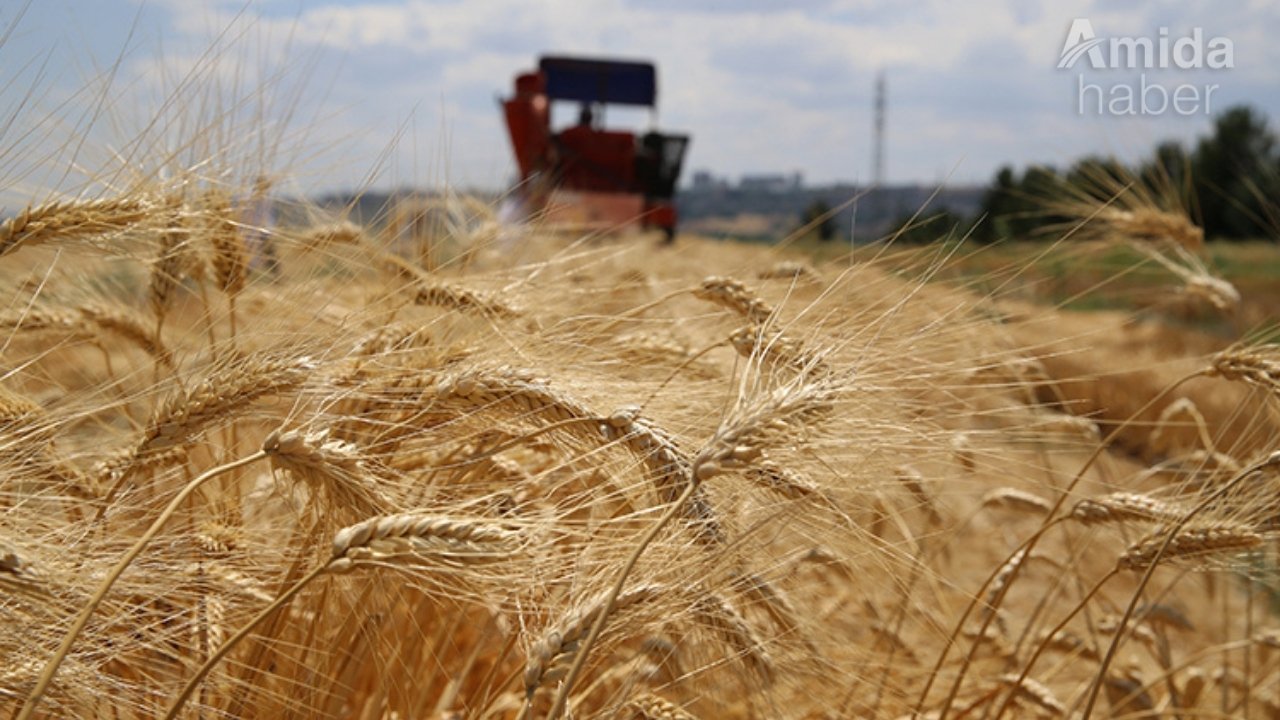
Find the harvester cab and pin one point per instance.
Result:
(585, 175)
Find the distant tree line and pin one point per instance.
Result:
(1229, 183)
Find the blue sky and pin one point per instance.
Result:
(342, 93)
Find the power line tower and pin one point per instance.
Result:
(877, 166)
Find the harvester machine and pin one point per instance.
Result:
(585, 175)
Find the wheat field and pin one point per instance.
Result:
(514, 473)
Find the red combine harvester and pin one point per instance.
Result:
(584, 175)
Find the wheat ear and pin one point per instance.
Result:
(651, 707)
(339, 233)
(168, 268)
(1151, 223)
(1151, 558)
(1190, 543)
(1037, 694)
(1124, 507)
(562, 697)
(736, 443)
(116, 321)
(372, 539)
(1016, 499)
(416, 534)
(333, 467)
(70, 220)
(773, 348)
(734, 295)
(789, 270)
(667, 466)
(550, 658)
(461, 299)
(221, 394)
(1258, 366)
(230, 256)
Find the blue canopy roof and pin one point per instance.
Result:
(600, 81)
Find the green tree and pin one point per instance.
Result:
(819, 219)
(999, 202)
(1099, 177)
(1013, 207)
(1168, 170)
(1235, 175)
(1040, 184)
(930, 227)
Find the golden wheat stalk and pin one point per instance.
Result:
(550, 658)
(1153, 224)
(41, 319)
(221, 395)
(789, 484)
(333, 468)
(651, 707)
(230, 256)
(461, 299)
(1000, 581)
(17, 409)
(717, 614)
(735, 296)
(1019, 500)
(344, 232)
(669, 469)
(1219, 293)
(772, 348)
(1065, 641)
(789, 270)
(1258, 365)
(90, 607)
(129, 326)
(667, 465)
(416, 535)
(391, 338)
(384, 539)
(1122, 507)
(85, 319)
(169, 266)
(1191, 543)
(70, 220)
(739, 441)
(1035, 693)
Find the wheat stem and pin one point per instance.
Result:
(562, 696)
(234, 640)
(1044, 644)
(1173, 532)
(1028, 546)
(51, 668)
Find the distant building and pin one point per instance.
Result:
(772, 182)
(704, 180)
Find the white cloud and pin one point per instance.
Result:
(761, 86)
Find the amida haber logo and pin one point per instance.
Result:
(1163, 52)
